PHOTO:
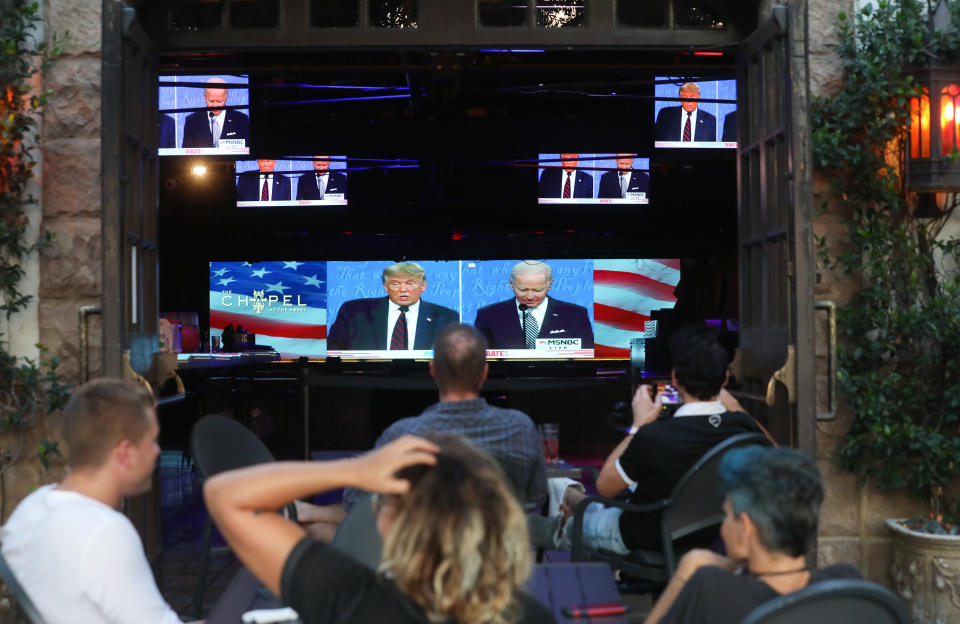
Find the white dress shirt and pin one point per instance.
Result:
(539, 312)
(693, 123)
(269, 178)
(413, 311)
(322, 179)
(218, 124)
(573, 182)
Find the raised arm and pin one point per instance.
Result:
(241, 501)
(645, 410)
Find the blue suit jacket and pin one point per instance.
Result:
(610, 184)
(551, 181)
(500, 324)
(248, 187)
(307, 185)
(668, 125)
(168, 132)
(196, 129)
(362, 325)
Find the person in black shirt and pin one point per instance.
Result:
(657, 452)
(455, 548)
(771, 510)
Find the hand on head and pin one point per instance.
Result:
(375, 471)
(645, 408)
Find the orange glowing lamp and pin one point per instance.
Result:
(933, 148)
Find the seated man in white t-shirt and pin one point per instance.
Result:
(79, 559)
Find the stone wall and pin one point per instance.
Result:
(852, 528)
(71, 271)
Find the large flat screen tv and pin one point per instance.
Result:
(377, 309)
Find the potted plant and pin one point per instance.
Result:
(899, 356)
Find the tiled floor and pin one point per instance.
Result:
(183, 522)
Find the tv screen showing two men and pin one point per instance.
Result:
(622, 178)
(204, 115)
(525, 309)
(299, 181)
(695, 113)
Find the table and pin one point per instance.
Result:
(556, 585)
(559, 585)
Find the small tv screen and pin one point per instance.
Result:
(204, 115)
(297, 181)
(621, 178)
(693, 112)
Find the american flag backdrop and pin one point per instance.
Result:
(283, 303)
(624, 293)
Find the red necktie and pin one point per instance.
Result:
(687, 134)
(265, 192)
(398, 341)
(566, 185)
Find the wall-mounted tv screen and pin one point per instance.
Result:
(695, 112)
(622, 178)
(204, 115)
(526, 309)
(298, 181)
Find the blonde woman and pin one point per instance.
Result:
(455, 541)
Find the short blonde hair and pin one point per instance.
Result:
(690, 86)
(99, 415)
(404, 268)
(458, 545)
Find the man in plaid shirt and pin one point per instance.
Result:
(459, 368)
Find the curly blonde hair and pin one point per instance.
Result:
(458, 545)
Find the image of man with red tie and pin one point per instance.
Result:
(263, 185)
(317, 184)
(401, 321)
(566, 181)
(686, 123)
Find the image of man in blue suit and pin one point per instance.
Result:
(263, 185)
(566, 181)
(673, 122)
(208, 128)
(516, 323)
(321, 181)
(400, 321)
(616, 184)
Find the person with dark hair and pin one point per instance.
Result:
(459, 369)
(771, 511)
(77, 557)
(656, 452)
(455, 544)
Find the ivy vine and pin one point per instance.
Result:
(28, 387)
(899, 355)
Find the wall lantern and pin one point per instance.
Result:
(933, 148)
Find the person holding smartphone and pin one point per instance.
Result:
(656, 453)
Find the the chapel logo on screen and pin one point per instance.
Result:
(260, 302)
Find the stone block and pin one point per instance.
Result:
(73, 109)
(80, 17)
(71, 267)
(882, 504)
(60, 334)
(840, 512)
(877, 557)
(71, 178)
(831, 550)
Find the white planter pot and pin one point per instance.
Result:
(926, 574)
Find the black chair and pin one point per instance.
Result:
(695, 505)
(840, 601)
(358, 536)
(219, 444)
(23, 600)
